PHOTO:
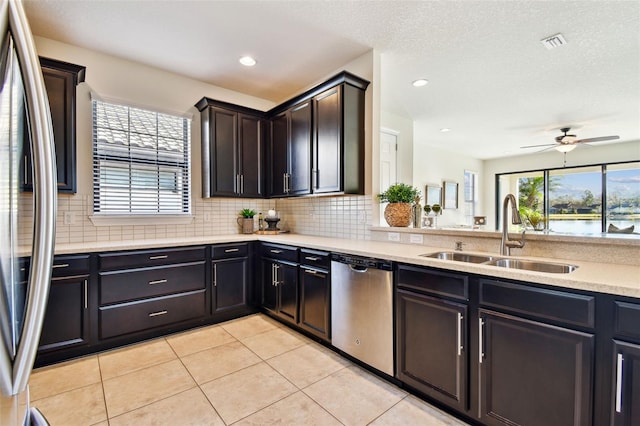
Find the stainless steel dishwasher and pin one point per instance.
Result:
(362, 309)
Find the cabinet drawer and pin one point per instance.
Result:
(64, 266)
(226, 251)
(316, 259)
(141, 258)
(279, 252)
(627, 319)
(542, 303)
(130, 317)
(433, 282)
(132, 284)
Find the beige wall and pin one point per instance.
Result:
(136, 84)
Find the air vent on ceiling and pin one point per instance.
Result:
(553, 41)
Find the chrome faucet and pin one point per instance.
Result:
(506, 244)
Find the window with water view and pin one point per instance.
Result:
(577, 200)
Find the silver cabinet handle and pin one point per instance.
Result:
(215, 274)
(86, 295)
(316, 174)
(460, 347)
(273, 274)
(276, 281)
(242, 184)
(157, 314)
(276, 251)
(284, 183)
(480, 351)
(60, 265)
(157, 282)
(25, 170)
(233, 250)
(312, 258)
(316, 273)
(162, 256)
(619, 383)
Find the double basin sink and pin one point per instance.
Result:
(528, 265)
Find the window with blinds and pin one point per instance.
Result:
(141, 161)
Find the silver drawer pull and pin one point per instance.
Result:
(231, 250)
(156, 314)
(276, 251)
(162, 256)
(310, 271)
(60, 265)
(620, 361)
(312, 258)
(157, 282)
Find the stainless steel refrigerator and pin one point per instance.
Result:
(23, 99)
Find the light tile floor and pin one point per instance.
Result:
(250, 371)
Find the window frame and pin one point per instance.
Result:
(130, 158)
(546, 173)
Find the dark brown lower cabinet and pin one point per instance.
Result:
(315, 295)
(280, 289)
(230, 284)
(66, 321)
(626, 392)
(432, 353)
(532, 373)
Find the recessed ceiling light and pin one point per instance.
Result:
(247, 61)
(445, 130)
(419, 83)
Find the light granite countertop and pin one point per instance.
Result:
(610, 278)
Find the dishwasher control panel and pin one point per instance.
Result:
(366, 262)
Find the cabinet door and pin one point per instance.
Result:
(250, 156)
(287, 283)
(533, 373)
(626, 395)
(327, 149)
(432, 346)
(223, 151)
(279, 155)
(230, 280)
(60, 79)
(66, 321)
(269, 288)
(315, 294)
(300, 150)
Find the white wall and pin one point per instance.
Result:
(593, 154)
(433, 166)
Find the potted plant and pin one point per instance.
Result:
(400, 197)
(246, 220)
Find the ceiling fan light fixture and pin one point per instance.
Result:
(565, 147)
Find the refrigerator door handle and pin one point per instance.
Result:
(45, 193)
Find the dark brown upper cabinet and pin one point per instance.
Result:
(290, 152)
(232, 150)
(60, 79)
(314, 144)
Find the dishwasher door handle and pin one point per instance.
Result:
(359, 269)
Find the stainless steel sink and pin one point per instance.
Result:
(532, 265)
(459, 256)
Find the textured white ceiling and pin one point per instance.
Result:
(490, 79)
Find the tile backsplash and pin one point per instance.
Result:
(344, 217)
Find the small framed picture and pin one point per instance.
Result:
(433, 194)
(450, 195)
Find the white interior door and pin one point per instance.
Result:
(388, 153)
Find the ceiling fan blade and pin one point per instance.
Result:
(538, 146)
(600, 139)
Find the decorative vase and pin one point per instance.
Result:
(398, 214)
(246, 225)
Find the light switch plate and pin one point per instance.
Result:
(393, 236)
(415, 239)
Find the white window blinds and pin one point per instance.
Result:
(141, 161)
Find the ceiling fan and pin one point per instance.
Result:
(565, 143)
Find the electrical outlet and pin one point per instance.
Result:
(393, 236)
(415, 238)
(68, 218)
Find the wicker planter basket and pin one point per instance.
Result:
(398, 214)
